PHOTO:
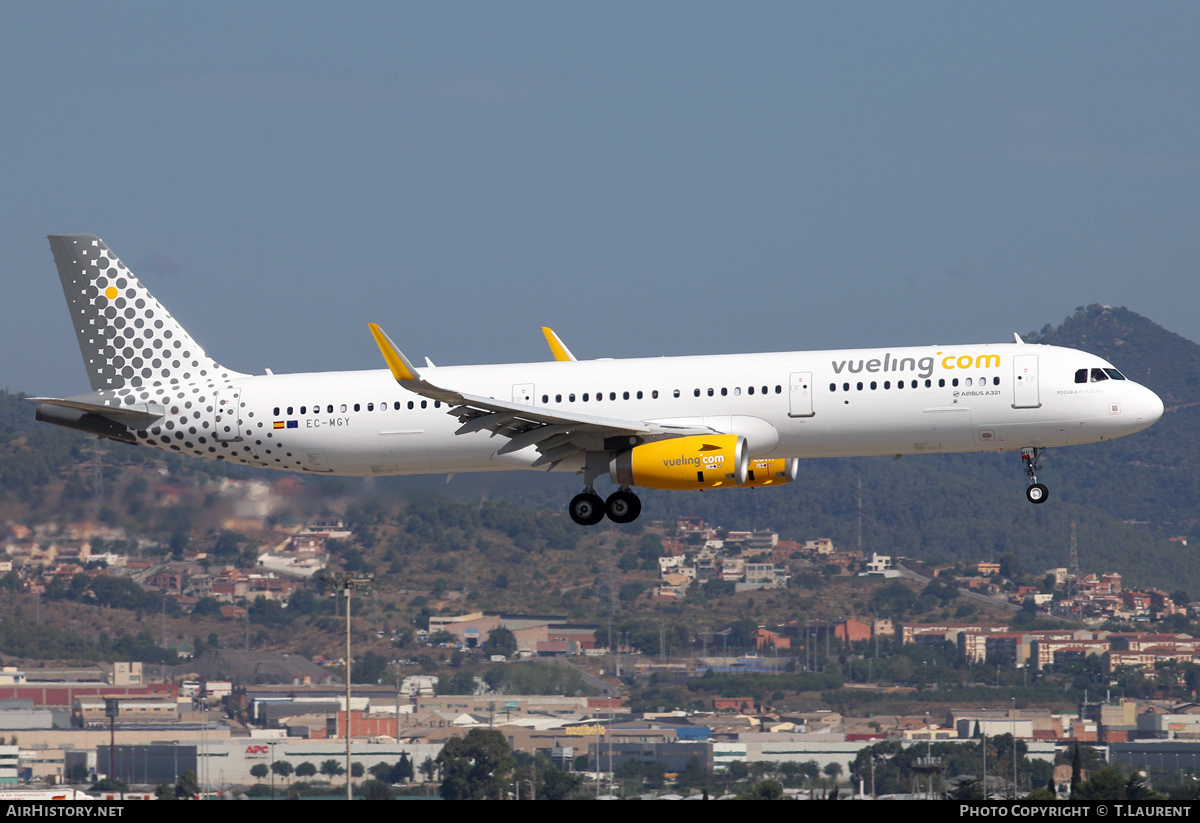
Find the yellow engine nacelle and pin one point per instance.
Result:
(699, 462)
(771, 472)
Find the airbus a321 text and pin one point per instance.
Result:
(707, 422)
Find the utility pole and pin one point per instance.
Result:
(348, 582)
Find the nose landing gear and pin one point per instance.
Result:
(1036, 493)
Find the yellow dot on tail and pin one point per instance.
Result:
(111, 292)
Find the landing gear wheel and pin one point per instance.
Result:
(623, 506)
(586, 509)
(1037, 493)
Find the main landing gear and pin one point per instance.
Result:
(1036, 493)
(588, 508)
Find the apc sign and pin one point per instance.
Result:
(258, 750)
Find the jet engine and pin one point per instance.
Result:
(697, 462)
(771, 472)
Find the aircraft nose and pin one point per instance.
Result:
(1150, 408)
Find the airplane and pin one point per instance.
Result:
(709, 422)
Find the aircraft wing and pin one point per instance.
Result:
(556, 433)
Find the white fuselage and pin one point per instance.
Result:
(788, 404)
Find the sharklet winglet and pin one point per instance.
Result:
(557, 347)
(400, 367)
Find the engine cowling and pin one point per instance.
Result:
(697, 462)
(771, 472)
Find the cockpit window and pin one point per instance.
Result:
(1114, 374)
(1081, 375)
(1098, 375)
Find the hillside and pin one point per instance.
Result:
(1127, 496)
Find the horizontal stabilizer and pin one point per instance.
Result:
(140, 413)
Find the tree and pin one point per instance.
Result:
(403, 773)
(475, 767)
(693, 775)
(259, 771)
(768, 790)
(501, 641)
(306, 769)
(188, 786)
(558, 785)
(331, 768)
(1106, 784)
(376, 790)
(282, 768)
(1136, 789)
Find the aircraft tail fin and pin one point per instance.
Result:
(128, 340)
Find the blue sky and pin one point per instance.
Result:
(647, 178)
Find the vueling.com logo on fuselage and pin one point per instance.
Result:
(923, 366)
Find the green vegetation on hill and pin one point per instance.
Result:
(503, 541)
